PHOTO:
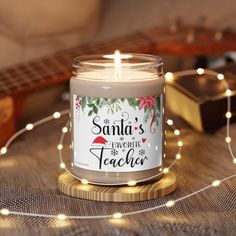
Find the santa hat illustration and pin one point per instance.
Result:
(100, 141)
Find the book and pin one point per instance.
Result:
(201, 100)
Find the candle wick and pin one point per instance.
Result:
(117, 62)
(117, 74)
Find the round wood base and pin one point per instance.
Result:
(142, 192)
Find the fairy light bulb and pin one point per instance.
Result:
(29, 126)
(170, 122)
(177, 132)
(165, 170)
(220, 76)
(170, 203)
(200, 71)
(59, 146)
(180, 143)
(132, 183)
(117, 215)
(84, 181)
(56, 115)
(61, 217)
(5, 212)
(62, 165)
(64, 130)
(234, 160)
(178, 156)
(227, 139)
(169, 76)
(228, 115)
(228, 92)
(215, 183)
(3, 150)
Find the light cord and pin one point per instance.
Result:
(169, 78)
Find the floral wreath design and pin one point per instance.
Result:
(150, 105)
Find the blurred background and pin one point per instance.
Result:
(31, 29)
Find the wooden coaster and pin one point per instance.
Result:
(73, 187)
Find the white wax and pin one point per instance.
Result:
(105, 83)
(109, 75)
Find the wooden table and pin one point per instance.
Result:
(29, 183)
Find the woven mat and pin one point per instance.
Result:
(29, 183)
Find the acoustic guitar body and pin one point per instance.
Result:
(7, 119)
(23, 105)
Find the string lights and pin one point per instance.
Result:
(132, 183)
(169, 78)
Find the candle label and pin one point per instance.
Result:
(117, 135)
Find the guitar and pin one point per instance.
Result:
(19, 81)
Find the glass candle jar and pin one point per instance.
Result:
(117, 108)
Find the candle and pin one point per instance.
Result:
(117, 117)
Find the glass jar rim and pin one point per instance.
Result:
(133, 61)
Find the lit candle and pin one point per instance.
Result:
(117, 117)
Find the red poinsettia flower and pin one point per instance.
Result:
(148, 102)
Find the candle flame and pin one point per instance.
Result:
(117, 62)
(118, 55)
(117, 59)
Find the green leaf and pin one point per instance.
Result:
(147, 115)
(90, 113)
(83, 102)
(89, 99)
(158, 101)
(113, 100)
(98, 101)
(118, 107)
(95, 110)
(132, 102)
(90, 105)
(157, 123)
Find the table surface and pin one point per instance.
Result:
(29, 183)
